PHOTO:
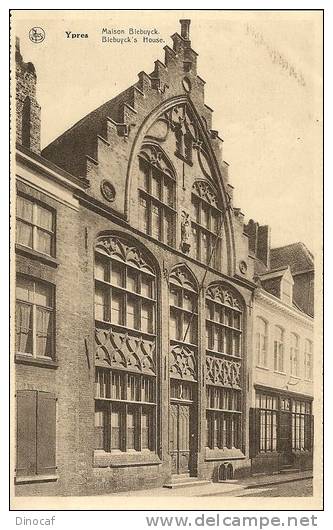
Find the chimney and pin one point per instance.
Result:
(27, 107)
(251, 229)
(185, 28)
(264, 244)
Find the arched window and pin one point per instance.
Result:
(294, 355)
(26, 122)
(157, 195)
(278, 349)
(224, 326)
(308, 360)
(261, 341)
(125, 316)
(206, 224)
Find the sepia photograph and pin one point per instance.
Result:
(166, 259)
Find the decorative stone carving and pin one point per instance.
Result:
(183, 363)
(122, 350)
(108, 191)
(116, 248)
(206, 192)
(223, 372)
(182, 277)
(224, 296)
(155, 156)
(186, 234)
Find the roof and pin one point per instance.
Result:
(296, 255)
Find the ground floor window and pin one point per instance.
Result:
(223, 418)
(268, 407)
(125, 409)
(280, 423)
(301, 425)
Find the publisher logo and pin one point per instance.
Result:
(36, 35)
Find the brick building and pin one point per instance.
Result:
(134, 294)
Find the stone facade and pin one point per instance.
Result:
(138, 186)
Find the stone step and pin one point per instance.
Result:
(185, 482)
(289, 469)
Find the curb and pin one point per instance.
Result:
(286, 481)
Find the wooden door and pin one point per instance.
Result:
(179, 437)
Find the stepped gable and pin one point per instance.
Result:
(114, 125)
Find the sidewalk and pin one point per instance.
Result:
(222, 488)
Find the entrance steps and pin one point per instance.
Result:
(185, 481)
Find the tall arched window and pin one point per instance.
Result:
(157, 195)
(308, 360)
(278, 349)
(125, 316)
(261, 341)
(26, 122)
(224, 325)
(294, 355)
(206, 224)
(183, 368)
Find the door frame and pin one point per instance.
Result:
(191, 435)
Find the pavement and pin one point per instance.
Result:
(250, 486)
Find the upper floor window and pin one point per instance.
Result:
(294, 355)
(157, 195)
(34, 226)
(278, 349)
(183, 309)
(223, 324)
(308, 360)
(261, 341)
(124, 295)
(34, 318)
(206, 224)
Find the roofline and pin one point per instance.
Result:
(51, 169)
(272, 300)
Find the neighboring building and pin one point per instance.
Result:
(281, 426)
(134, 293)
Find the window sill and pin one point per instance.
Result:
(295, 377)
(36, 361)
(280, 373)
(263, 367)
(34, 254)
(36, 478)
(223, 454)
(118, 459)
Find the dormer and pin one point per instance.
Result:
(279, 283)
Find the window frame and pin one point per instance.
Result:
(308, 360)
(150, 172)
(35, 228)
(112, 291)
(200, 206)
(261, 344)
(124, 405)
(34, 307)
(279, 351)
(295, 364)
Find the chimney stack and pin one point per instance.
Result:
(185, 28)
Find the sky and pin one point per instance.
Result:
(263, 73)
